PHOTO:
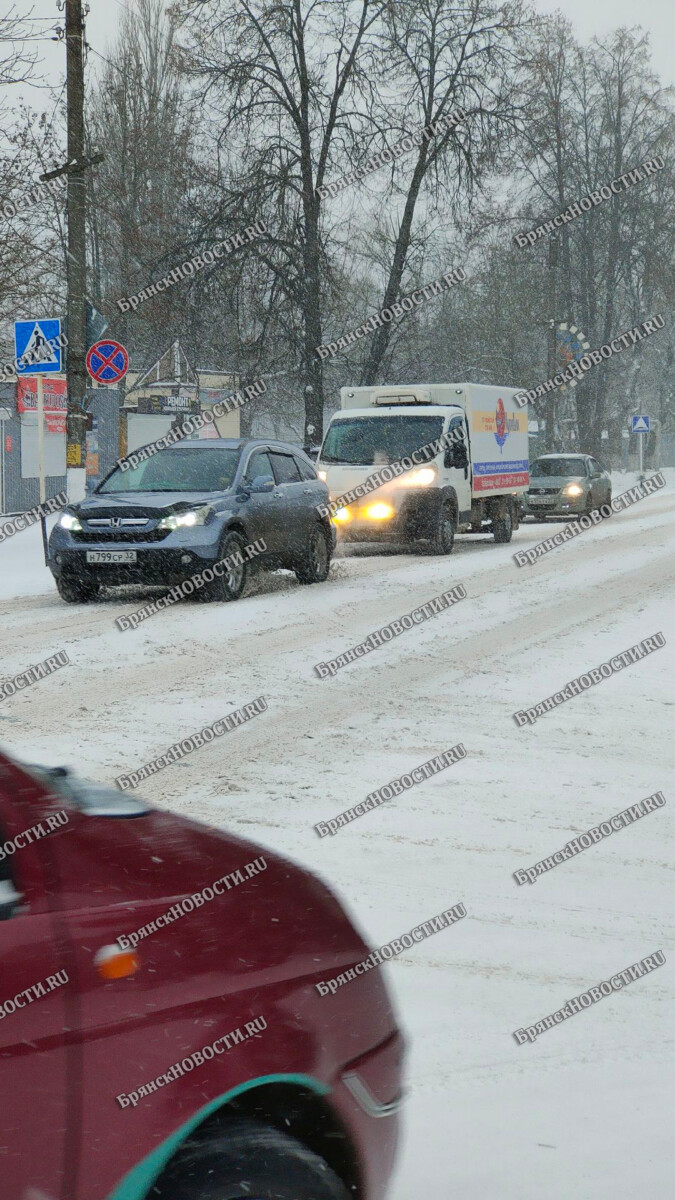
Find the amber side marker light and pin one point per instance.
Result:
(113, 963)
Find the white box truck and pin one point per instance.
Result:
(421, 462)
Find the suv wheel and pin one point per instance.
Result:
(315, 564)
(443, 538)
(231, 585)
(502, 526)
(76, 591)
(248, 1160)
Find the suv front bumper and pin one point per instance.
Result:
(172, 559)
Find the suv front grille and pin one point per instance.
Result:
(120, 529)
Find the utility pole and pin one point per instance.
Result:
(552, 347)
(77, 254)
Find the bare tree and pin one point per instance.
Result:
(144, 197)
(444, 58)
(289, 85)
(596, 113)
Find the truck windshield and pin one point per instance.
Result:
(558, 466)
(378, 440)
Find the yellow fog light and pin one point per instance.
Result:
(379, 512)
(342, 515)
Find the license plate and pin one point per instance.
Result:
(540, 500)
(111, 556)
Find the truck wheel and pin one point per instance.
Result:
(76, 591)
(502, 526)
(248, 1159)
(444, 534)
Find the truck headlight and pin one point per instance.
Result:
(421, 478)
(181, 520)
(69, 521)
(342, 515)
(573, 489)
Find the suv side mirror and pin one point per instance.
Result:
(456, 456)
(261, 483)
(9, 899)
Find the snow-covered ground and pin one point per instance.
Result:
(593, 1094)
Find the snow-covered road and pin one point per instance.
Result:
(585, 1112)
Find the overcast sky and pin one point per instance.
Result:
(588, 17)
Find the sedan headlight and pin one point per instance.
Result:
(573, 489)
(69, 521)
(182, 520)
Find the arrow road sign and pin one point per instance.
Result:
(641, 425)
(36, 342)
(107, 362)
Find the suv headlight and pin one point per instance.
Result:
(573, 489)
(69, 521)
(181, 520)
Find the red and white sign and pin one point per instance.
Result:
(55, 395)
(107, 362)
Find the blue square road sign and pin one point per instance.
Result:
(36, 346)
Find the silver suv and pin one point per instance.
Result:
(565, 485)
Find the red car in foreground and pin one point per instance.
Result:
(107, 1091)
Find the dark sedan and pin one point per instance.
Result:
(188, 508)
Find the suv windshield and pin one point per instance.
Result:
(378, 440)
(190, 469)
(558, 466)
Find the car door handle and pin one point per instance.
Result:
(307, 491)
(277, 495)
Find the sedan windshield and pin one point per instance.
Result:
(558, 466)
(190, 469)
(378, 440)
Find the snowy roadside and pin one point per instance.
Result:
(584, 1111)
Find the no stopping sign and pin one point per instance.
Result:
(107, 362)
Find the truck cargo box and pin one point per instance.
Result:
(497, 427)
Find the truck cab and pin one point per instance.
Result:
(416, 463)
